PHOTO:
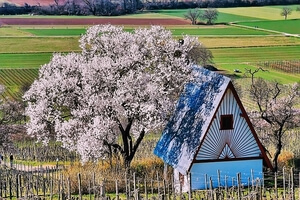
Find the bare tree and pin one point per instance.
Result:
(11, 121)
(277, 110)
(285, 12)
(201, 55)
(210, 15)
(193, 15)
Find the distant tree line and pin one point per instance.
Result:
(120, 7)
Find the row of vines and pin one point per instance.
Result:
(15, 79)
(56, 183)
(288, 66)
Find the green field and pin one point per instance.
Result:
(255, 54)
(285, 26)
(196, 31)
(38, 44)
(25, 48)
(23, 60)
(263, 13)
(219, 31)
(222, 18)
(56, 32)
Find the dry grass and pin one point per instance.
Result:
(104, 172)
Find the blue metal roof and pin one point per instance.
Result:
(194, 111)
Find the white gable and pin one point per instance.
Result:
(238, 142)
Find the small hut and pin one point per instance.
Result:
(210, 137)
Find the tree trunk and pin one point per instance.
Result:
(129, 149)
(276, 155)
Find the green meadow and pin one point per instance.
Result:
(38, 44)
(285, 26)
(23, 60)
(55, 32)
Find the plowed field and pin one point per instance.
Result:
(91, 21)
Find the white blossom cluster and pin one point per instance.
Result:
(83, 99)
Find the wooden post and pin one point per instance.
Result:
(10, 188)
(44, 186)
(292, 183)
(252, 180)
(283, 176)
(79, 186)
(299, 186)
(90, 189)
(69, 187)
(17, 186)
(211, 188)
(146, 192)
(205, 181)
(275, 187)
(157, 179)
(102, 189)
(239, 186)
(249, 187)
(59, 190)
(226, 187)
(117, 190)
(232, 191)
(51, 186)
(219, 178)
(152, 189)
(94, 185)
(173, 187)
(164, 188)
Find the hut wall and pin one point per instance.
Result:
(201, 172)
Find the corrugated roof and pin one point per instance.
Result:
(194, 111)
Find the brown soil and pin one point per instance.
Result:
(91, 21)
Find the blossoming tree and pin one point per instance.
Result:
(122, 85)
(277, 110)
